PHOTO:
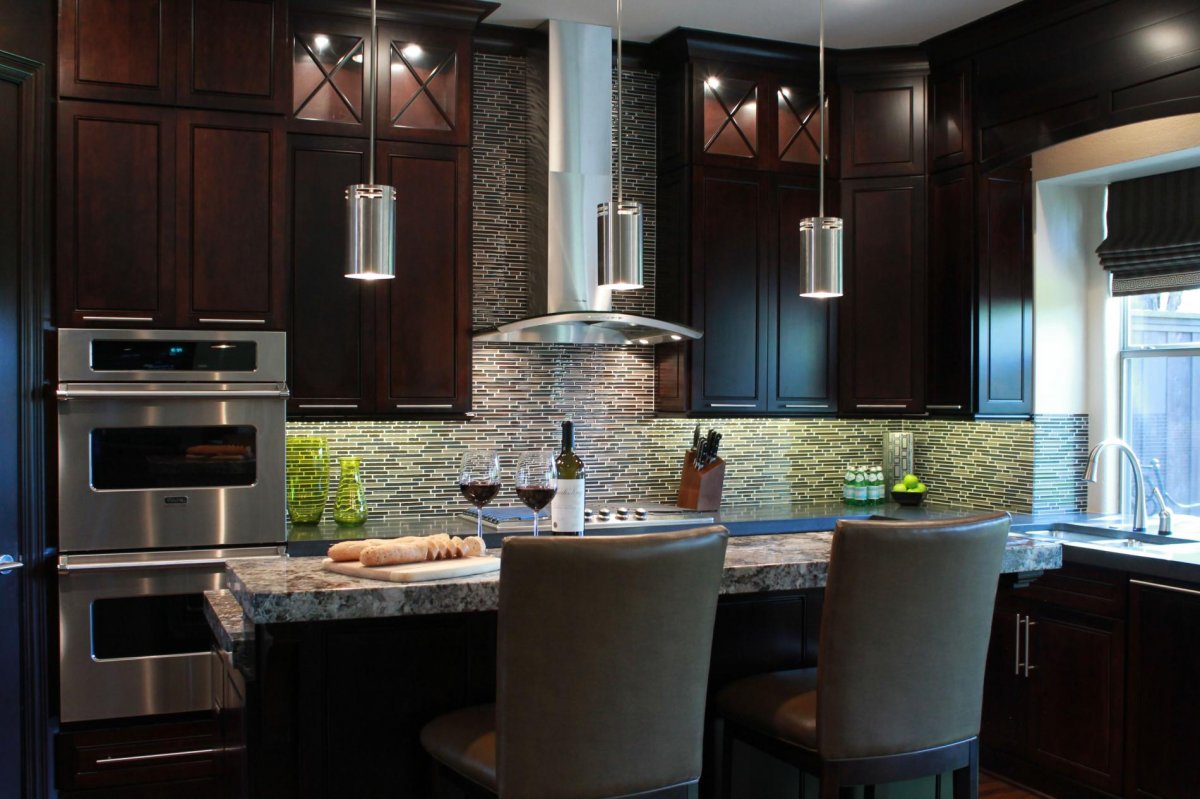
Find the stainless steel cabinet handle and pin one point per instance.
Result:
(1132, 581)
(899, 407)
(118, 318)
(807, 405)
(733, 404)
(8, 563)
(426, 405)
(944, 407)
(1028, 666)
(232, 321)
(1017, 648)
(330, 405)
(112, 761)
(91, 393)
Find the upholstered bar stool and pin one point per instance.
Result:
(898, 688)
(603, 647)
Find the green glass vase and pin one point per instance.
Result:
(350, 502)
(307, 459)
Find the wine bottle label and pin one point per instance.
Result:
(566, 509)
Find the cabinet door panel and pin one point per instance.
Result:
(230, 242)
(233, 54)
(115, 213)
(424, 85)
(732, 117)
(1004, 689)
(883, 125)
(117, 50)
(1006, 291)
(950, 368)
(427, 355)
(802, 375)
(883, 313)
(330, 344)
(950, 121)
(730, 261)
(1163, 748)
(1076, 708)
(328, 91)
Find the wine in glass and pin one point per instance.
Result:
(537, 481)
(479, 481)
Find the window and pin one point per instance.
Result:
(1160, 396)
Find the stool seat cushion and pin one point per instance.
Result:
(782, 704)
(465, 741)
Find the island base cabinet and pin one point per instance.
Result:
(1163, 747)
(1054, 686)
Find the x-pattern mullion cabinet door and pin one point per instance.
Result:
(424, 84)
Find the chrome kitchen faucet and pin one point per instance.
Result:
(1139, 501)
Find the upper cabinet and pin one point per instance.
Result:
(883, 118)
(736, 107)
(951, 136)
(227, 54)
(169, 219)
(424, 79)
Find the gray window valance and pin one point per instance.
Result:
(1153, 241)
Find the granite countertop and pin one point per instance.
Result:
(228, 623)
(296, 589)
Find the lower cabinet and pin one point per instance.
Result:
(1163, 748)
(1054, 691)
(136, 760)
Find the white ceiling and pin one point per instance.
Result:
(848, 23)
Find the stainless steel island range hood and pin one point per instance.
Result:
(569, 173)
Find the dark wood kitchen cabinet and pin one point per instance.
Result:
(226, 54)
(1162, 748)
(1055, 682)
(951, 137)
(116, 215)
(765, 349)
(230, 220)
(882, 119)
(424, 78)
(950, 360)
(169, 218)
(395, 347)
(882, 315)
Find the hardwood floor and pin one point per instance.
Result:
(992, 787)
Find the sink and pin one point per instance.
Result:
(1103, 536)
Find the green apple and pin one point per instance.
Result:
(920, 488)
(900, 487)
(911, 481)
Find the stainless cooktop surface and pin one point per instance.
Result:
(595, 518)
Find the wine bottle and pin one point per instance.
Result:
(566, 509)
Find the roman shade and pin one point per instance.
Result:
(1153, 241)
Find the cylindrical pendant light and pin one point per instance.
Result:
(619, 235)
(370, 207)
(820, 235)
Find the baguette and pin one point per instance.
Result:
(350, 550)
(392, 553)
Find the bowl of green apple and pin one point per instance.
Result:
(909, 491)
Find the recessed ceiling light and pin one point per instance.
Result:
(712, 82)
(320, 41)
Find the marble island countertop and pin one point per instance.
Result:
(298, 589)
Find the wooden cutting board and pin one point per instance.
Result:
(416, 572)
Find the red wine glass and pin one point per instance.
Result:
(479, 481)
(537, 481)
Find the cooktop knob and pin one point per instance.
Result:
(604, 514)
(588, 513)
(622, 512)
(641, 513)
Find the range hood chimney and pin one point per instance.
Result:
(568, 174)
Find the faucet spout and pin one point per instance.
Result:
(1139, 501)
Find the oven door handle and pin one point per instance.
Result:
(101, 393)
(65, 567)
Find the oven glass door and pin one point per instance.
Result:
(163, 469)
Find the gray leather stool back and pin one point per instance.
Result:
(603, 653)
(904, 634)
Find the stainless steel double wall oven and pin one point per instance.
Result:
(170, 462)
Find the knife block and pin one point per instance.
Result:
(700, 489)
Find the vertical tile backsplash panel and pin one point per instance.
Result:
(522, 392)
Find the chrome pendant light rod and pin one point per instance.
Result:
(371, 208)
(620, 114)
(820, 109)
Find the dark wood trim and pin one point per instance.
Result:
(882, 61)
(1005, 25)
(688, 44)
(438, 13)
(34, 272)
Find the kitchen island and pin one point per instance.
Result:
(339, 674)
